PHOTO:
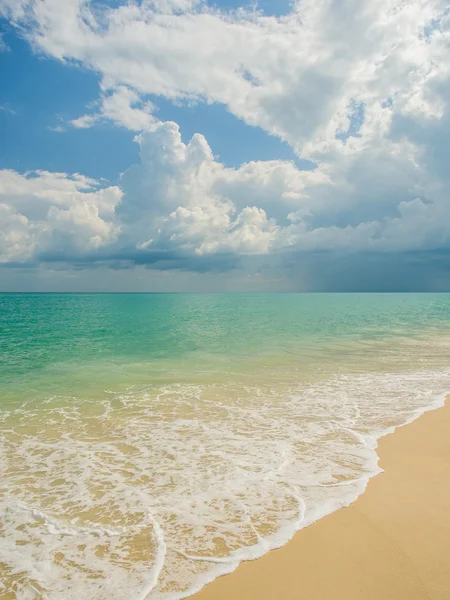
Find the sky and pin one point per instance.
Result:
(180, 145)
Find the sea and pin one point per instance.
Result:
(151, 442)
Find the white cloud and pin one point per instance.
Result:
(123, 107)
(7, 109)
(84, 122)
(53, 212)
(180, 198)
(57, 129)
(3, 45)
(17, 235)
(215, 228)
(359, 87)
(296, 76)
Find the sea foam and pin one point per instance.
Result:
(154, 492)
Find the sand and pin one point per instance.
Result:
(392, 543)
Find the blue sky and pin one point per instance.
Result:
(40, 94)
(180, 145)
(37, 92)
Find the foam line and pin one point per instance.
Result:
(175, 485)
(158, 536)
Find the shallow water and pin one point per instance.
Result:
(151, 442)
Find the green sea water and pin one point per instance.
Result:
(71, 343)
(150, 442)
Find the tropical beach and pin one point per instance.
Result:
(392, 543)
(224, 299)
(151, 444)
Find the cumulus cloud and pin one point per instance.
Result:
(53, 212)
(181, 196)
(180, 203)
(359, 87)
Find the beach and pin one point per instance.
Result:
(392, 543)
(150, 445)
(224, 300)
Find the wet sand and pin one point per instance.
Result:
(393, 543)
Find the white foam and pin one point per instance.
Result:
(159, 561)
(58, 527)
(171, 487)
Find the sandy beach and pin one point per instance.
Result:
(145, 436)
(392, 543)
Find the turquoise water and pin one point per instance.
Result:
(150, 442)
(50, 341)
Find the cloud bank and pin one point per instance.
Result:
(360, 88)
